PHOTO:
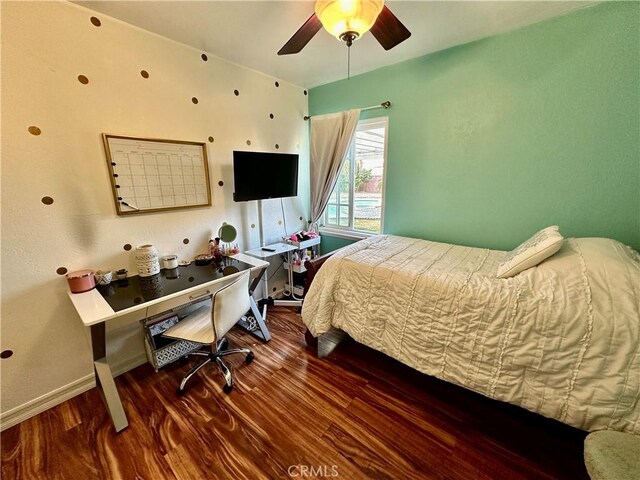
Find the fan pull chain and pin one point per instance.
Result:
(348, 63)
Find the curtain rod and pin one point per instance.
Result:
(386, 104)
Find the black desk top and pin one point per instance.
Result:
(123, 294)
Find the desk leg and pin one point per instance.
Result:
(263, 331)
(266, 336)
(104, 378)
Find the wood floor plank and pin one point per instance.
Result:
(356, 411)
(375, 462)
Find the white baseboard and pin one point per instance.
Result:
(49, 400)
(118, 368)
(45, 402)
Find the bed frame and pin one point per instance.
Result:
(335, 336)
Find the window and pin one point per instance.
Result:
(356, 203)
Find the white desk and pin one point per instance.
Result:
(280, 249)
(274, 249)
(94, 311)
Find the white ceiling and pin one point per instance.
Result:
(251, 32)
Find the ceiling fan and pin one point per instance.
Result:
(347, 20)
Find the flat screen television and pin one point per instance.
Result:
(262, 175)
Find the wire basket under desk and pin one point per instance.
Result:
(169, 353)
(161, 350)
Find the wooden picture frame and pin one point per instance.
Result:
(155, 175)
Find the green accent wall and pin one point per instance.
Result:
(493, 140)
(329, 243)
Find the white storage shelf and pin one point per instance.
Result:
(296, 268)
(305, 243)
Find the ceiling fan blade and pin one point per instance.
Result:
(388, 30)
(302, 36)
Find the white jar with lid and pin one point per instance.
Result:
(147, 260)
(170, 261)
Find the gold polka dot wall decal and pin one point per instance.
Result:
(204, 57)
(277, 146)
(185, 241)
(279, 222)
(297, 145)
(221, 183)
(211, 139)
(144, 74)
(253, 225)
(271, 116)
(83, 80)
(248, 142)
(96, 21)
(61, 271)
(47, 200)
(194, 100)
(33, 130)
(6, 353)
(301, 219)
(277, 84)
(236, 93)
(127, 247)
(305, 92)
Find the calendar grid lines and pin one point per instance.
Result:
(151, 175)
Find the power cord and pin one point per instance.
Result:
(284, 217)
(274, 272)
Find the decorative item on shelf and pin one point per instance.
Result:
(214, 249)
(170, 261)
(301, 236)
(121, 274)
(151, 286)
(184, 263)
(203, 259)
(228, 234)
(147, 260)
(103, 277)
(81, 281)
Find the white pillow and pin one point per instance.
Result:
(530, 253)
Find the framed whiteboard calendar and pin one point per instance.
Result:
(152, 175)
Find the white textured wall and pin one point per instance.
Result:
(45, 46)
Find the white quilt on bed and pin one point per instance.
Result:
(560, 339)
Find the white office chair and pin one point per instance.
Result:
(209, 324)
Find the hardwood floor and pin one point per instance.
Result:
(355, 414)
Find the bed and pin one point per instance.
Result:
(560, 339)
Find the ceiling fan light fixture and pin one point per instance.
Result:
(348, 19)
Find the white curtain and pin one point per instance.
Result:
(330, 138)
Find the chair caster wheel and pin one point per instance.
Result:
(250, 357)
(227, 388)
(180, 392)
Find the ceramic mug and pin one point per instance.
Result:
(103, 278)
